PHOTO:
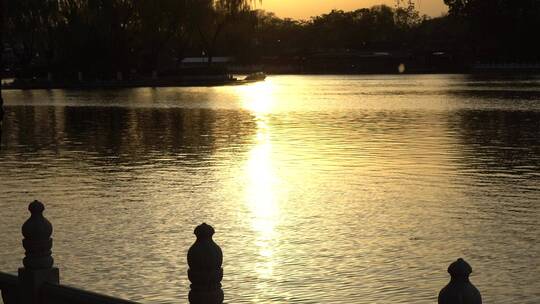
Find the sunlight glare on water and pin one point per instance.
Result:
(258, 97)
(261, 195)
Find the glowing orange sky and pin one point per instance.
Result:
(303, 9)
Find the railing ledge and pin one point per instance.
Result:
(8, 287)
(8, 280)
(60, 294)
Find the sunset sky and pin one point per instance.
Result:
(303, 9)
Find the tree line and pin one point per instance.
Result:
(471, 31)
(105, 36)
(504, 30)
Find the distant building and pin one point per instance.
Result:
(203, 61)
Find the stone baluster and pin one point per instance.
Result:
(38, 262)
(460, 290)
(205, 273)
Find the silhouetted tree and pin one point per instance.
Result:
(500, 30)
(161, 30)
(31, 24)
(2, 13)
(210, 18)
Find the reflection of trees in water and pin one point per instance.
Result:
(497, 141)
(127, 134)
(29, 129)
(489, 87)
(487, 95)
(506, 78)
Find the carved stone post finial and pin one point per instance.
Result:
(460, 290)
(37, 242)
(38, 262)
(205, 273)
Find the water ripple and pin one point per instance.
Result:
(322, 189)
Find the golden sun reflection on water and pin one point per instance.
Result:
(258, 97)
(261, 178)
(262, 201)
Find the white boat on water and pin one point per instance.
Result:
(256, 76)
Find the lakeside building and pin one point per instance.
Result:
(358, 62)
(192, 62)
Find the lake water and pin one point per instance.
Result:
(322, 189)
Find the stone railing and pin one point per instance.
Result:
(38, 281)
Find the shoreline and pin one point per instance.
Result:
(51, 85)
(43, 84)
